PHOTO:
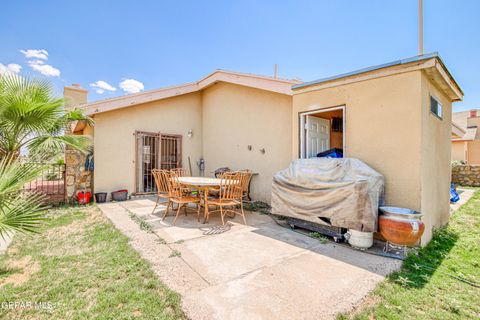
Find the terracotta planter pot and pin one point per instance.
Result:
(400, 226)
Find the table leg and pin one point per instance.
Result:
(205, 198)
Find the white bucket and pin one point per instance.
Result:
(358, 239)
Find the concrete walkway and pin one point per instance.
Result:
(465, 195)
(259, 271)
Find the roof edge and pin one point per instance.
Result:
(281, 86)
(418, 58)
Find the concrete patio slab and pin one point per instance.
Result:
(304, 286)
(259, 271)
(224, 257)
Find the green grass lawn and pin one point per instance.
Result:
(80, 267)
(425, 288)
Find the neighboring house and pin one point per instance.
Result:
(466, 136)
(395, 117)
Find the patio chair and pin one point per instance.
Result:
(217, 173)
(182, 172)
(162, 188)
(177, 195)
(214, 191)
(245, 177)
(230, 196)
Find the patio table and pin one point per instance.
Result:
(202, 184)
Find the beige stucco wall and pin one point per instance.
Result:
(235, 117)
(436, 159)
(114, 139)
(88, 130)
(459, 150)
(474, 152)
(382, 128)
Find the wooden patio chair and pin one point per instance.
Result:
(245, 177)
(162, 188)
(230, 196)
(182, 172)
(177, 195)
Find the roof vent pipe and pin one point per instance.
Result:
(473, 113)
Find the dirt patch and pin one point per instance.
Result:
(369, 302)
(25, 266)
(137, 313)
(12, 250)
(68, 240)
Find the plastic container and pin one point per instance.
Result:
(331, 153)
(84, 197)
(100, 197)
(358, 239)
(120, 195)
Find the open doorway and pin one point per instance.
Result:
(322, 130)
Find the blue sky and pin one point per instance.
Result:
(162, 43)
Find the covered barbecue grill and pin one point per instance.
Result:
(342, 192)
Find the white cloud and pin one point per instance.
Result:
(45, 69)
(11, 68)
(131, 86)
(37, 54)
(102, 86)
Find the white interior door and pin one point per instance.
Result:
(318, 136)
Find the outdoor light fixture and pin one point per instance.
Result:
(190, 133)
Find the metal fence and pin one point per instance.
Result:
(51, 183)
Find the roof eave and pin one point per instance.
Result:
(281, 86)
(419, 62)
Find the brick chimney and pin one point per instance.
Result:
(74, 95)
(473, 120)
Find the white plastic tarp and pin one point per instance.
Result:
(346, 191)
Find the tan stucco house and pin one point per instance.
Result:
(466, 136)
(395, 117)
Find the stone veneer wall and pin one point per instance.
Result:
(77, 178)
(466, 175)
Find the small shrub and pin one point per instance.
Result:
(320, 237)
(258, 206)
(144, 225)
(161, 241)
(175, 253)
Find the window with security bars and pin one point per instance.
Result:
(155, 151)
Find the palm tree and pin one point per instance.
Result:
(33, 119)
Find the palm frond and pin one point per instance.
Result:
(14, 175)
(51, 144)
(30, 113)
(19, 211)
